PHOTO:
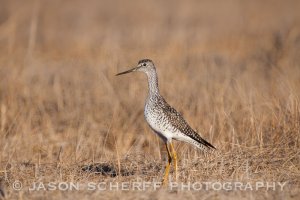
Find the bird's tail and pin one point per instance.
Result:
(202, 144)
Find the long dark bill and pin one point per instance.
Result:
(128, 71)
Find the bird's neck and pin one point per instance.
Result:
(153, 83)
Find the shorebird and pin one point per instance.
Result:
(164, 120)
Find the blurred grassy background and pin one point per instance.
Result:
(231, 67)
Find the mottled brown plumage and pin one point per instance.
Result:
(176, 119)
(164, 119)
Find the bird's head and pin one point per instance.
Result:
(145, 65)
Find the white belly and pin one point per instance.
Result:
(165, 131)
(158, 127)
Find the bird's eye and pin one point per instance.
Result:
(144, 64)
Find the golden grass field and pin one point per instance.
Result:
(232, 68)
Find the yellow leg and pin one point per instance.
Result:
(175, 160)
(165, 179)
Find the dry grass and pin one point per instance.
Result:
(232, 68)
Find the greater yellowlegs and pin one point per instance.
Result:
(165, 121)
